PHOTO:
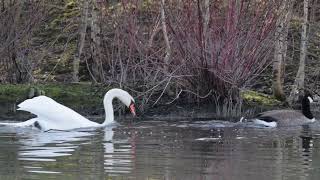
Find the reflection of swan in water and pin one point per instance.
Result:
(34, 146)
(39, 146)
(111, 150)
(118, 159)
(108, 141)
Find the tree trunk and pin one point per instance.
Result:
(2, 6)
(13, 47)
(206, 19)
(97, 67)
(167, 57)
(82, 32)
(165, 35)
(281, 50)
(299, 81)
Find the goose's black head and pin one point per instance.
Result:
(306, 100)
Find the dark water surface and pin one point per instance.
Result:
(163, 150)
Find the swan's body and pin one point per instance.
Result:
(276, 118)
(53, 115)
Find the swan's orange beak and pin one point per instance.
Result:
(132, 109)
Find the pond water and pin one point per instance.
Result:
(154, 150)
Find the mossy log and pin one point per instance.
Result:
(253, 97)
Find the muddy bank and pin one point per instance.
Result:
(87, 100)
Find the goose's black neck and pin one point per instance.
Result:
(306, 107)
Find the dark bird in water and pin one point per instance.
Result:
(276, 118)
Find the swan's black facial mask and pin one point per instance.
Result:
(132, 108)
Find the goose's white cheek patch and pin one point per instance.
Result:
(310, 99)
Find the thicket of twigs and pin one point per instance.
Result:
(213, 50)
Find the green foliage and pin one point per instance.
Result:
(59, 36)
(71, 9)
(13, 93)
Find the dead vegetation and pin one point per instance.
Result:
(162, 51)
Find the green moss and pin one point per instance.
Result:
(70, 4)
(79, 96)
(259, 98)
(13, 93)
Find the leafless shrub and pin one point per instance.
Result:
(18, 21)
(221, 49)
(208, 46)
(234, 48)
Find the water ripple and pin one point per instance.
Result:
(163, 150)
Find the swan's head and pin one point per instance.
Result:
(123, 96)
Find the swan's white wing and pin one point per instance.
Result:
(53, 115)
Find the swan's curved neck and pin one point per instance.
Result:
(108, 107)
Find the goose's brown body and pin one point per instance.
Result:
(285, 117)
(276, 118)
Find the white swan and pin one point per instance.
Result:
(53, 115)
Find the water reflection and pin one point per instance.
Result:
(47, 146)
(38, 148)
(97, 148)
(118, 154)
(163, 150)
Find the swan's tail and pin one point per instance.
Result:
(10, 124)
(19, 124)
(6, 124)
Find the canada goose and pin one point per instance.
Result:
(276, 118)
